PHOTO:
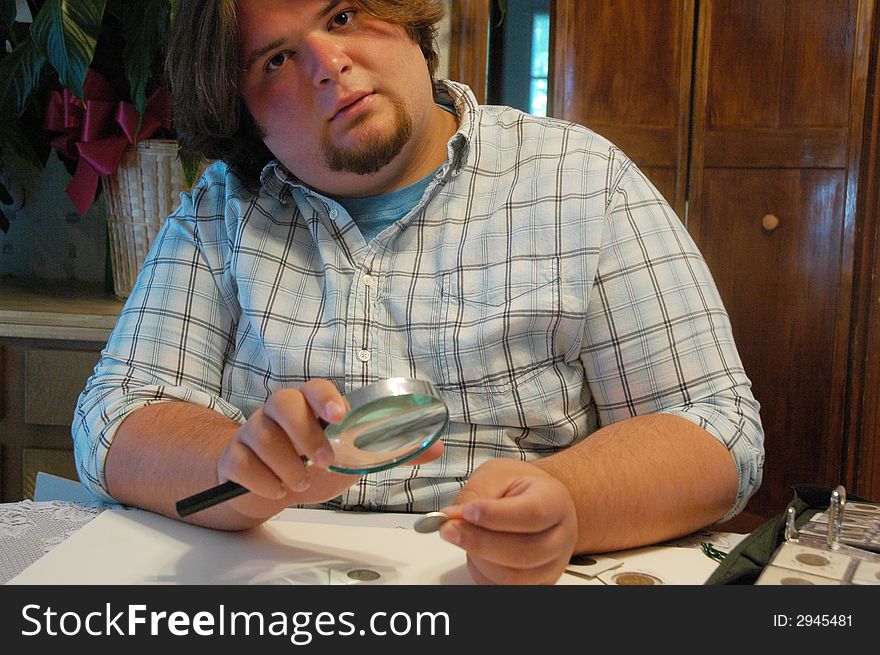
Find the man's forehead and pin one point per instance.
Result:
(261, 22)
(303, 8)
(256, 17)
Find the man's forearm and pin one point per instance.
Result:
(644, 480)
(167, 451)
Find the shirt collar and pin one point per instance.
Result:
(277, 182)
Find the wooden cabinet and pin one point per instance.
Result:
(43, 380)
(50, 340)
(775, 95)
(862, 411)
(777, 120)
(779, 98)
(624, 70)
(750, 118)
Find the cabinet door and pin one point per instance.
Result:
(42, 381)
(863, 434)
(779, 97)
(623, 69)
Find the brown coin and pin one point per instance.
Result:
(636, 578)
(582, 560)
(793, 580)
(867, 508)
(811, 559)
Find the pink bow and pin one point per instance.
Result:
(96, 130)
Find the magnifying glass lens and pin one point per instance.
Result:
(391, 421)
(385, 432)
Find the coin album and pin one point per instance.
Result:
(860, 526)
(813, 557)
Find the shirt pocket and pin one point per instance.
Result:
(497, 326)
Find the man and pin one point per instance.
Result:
(366, 224)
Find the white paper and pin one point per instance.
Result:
(128, 546)
(137, 547)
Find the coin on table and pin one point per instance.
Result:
(430, 522)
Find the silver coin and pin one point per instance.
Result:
(430, 522)
(364, 575)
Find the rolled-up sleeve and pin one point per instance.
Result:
(172, 336)
(659, 338)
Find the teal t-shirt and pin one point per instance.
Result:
(372, 214)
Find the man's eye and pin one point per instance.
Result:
(343, 17)
(276, 61)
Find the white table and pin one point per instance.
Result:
(63, 542)
(29, 530)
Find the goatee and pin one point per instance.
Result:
(376, 150)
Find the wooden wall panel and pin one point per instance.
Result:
(53, 380)
(2, 381)
(469, 44)
(780, 288)
(43, 380)
(779, 91)
(623, 68)
(863, 388)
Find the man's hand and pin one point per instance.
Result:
(516, 522)
(267, 454)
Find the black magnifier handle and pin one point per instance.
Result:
(219, 494)
(214, 496)
(209, 497)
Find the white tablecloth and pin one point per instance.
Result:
(30, 529)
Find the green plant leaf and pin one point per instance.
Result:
(14, 139)
(143, 25)
(19, 74)
(8, 11)
(191, 165)
(66, 32)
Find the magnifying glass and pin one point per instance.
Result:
(390, 422)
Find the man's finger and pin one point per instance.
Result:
(434, 451)
(325, 400)
(290, 409)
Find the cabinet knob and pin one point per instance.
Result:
(770, 222)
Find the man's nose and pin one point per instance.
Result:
(327, 59)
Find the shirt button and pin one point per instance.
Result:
(334, 213)
(368, 280)
(363, 355)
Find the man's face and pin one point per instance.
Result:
(344, 100)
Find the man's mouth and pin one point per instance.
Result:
(352, 104)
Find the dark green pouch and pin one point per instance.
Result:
(744, 564)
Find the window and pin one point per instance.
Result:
(519, 55)
(540, 64)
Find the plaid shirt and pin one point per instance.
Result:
(542, 283)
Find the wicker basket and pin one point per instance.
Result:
(141, 194)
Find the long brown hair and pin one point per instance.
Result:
(203, 66)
